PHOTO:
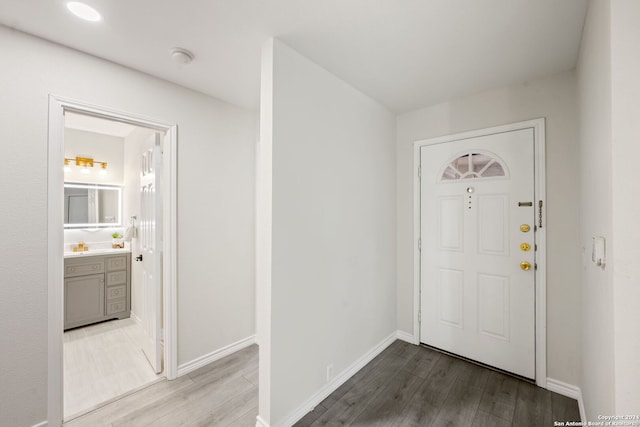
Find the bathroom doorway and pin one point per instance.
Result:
(112, 306)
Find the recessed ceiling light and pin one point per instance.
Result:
(181, 56)
(84, 11)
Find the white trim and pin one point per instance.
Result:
(136, 319)
(264, 231)
(260, 422)
(538, 126)
(407, 337)
(170, 252)
(55, 261)
(42, 424)
(568, 390)
(337, 381)
(416, 242)
(201, 361)
(540, 168)
(55, 238)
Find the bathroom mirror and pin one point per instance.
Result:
(91, 206)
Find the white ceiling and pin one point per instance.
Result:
(404, 53)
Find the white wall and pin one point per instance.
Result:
(609, 89)
(555, 99)
(596, 206)
(625, 109)
(216, 152)
(333, 249)
(103, 148)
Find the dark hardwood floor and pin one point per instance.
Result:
(407, 385)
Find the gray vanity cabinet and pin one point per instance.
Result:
(96, 288)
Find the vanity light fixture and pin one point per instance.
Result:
(84, 11)
(85, 163)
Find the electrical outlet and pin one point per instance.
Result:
(329, 372)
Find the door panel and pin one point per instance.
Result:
(493, 306)
(493, 224)
(450, 223)
(451, 291)
(475, 299)
(150, 239)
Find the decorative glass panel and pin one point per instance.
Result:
(473, 166)
(480, 161)
(450, 174)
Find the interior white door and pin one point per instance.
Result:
(477, 219)
(150, 244)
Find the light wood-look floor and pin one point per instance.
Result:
(223, 393)
(412, 386)
(102, 362)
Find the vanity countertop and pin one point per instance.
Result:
(99, 251)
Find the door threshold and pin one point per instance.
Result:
(112, 400)
(483, 365)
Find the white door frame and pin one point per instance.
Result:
(538, 127)
(55, 238)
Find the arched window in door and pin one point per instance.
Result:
(475, 165)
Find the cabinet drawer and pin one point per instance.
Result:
(116, 306)
(117, 278)
(83, 268)
(117, 263)
(116, 292)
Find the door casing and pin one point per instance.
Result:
(55, 237)
(538, 126)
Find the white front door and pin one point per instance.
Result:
(477, 219)
(150, 235)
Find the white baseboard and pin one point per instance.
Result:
(337, 381)
(568, 390)
(135, 318)
(405, 336)
(42, 424)
(260, 422)
(201, 361)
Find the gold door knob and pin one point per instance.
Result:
(525, 266)
(525, 228)
(525, 247)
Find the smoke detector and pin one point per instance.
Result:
(181, 56)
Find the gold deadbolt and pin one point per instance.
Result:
(525, 247)
(525, 228)
(525, 266)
